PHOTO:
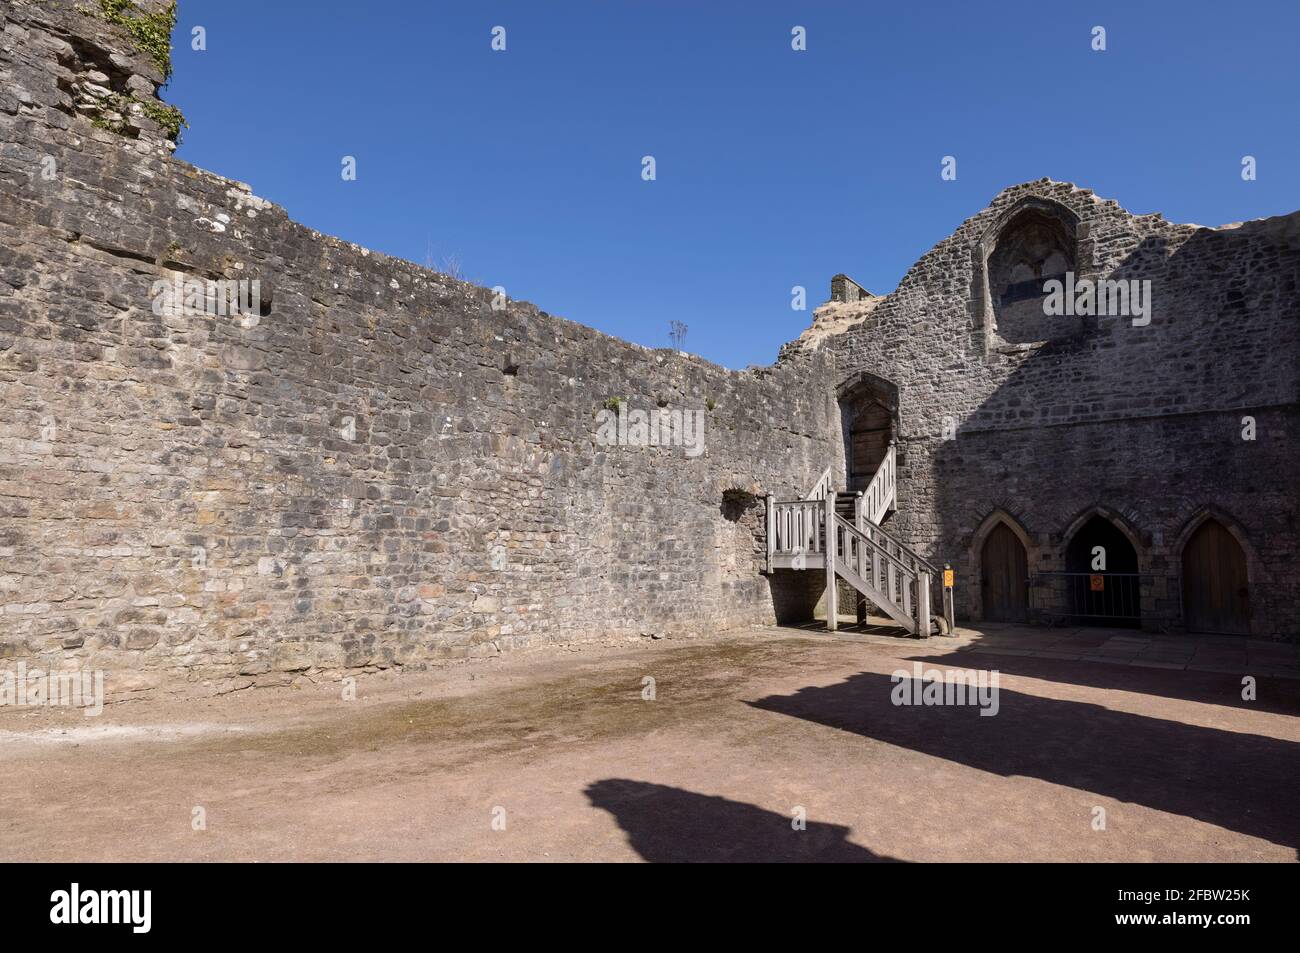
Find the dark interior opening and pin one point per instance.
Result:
(1114, 599)
(867, 418)
(735, 503)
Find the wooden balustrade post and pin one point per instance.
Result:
(832, 586)
(892, 458)
(923, 604)
(769, 506)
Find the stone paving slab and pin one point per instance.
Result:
(1155, 663)
(1223, 654)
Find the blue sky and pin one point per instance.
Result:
(775, 168)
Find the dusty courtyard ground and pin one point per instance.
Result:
(742, 731)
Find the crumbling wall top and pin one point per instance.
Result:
(100, 61)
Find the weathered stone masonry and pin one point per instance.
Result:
(380, 468)
(1140, 424)
(185, 493)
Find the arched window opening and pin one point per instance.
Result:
(1034, 248)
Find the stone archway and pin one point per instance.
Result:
(869, 418)
(1103, 585)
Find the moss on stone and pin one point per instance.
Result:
(151, 32)
(168, 118)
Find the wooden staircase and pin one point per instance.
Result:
(840, 534)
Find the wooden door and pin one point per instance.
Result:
(1215, 594)
(1004, 577)
(869, 436)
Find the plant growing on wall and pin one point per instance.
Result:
(151, 35)
(150, 32)
(114, 108)
(677, 334)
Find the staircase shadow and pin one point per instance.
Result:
(1241, 782)
(884, 627)
(669, 825)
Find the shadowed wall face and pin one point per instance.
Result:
(1156, 419)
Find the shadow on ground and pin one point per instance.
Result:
(668, 825)
(849, 626)
(1241, 782)
(1279, 696)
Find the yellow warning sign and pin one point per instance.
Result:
(947, 578)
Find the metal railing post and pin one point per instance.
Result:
(770, 518)
(947, 600)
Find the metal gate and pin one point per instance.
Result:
(1105, 597)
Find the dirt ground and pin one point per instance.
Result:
(560, 748)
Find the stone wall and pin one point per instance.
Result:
(1144, 423)
(380, 465)
(376, 466)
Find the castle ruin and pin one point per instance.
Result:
(375, 465)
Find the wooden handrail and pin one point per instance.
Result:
(880, 492)
(868, 557)
(898, 548)
(795, 521)
(904, 589)
(822, 487)
(904, 566)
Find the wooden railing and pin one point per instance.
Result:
(879, 495)
(897, 549)
(795, 527)
(894, 546)
(823, 487)
(899, 587)
(872, 560)
(892, 575)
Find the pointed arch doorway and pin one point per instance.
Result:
(869, 416)
(1216, 592)
(1104, 583)
(1004, 576)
